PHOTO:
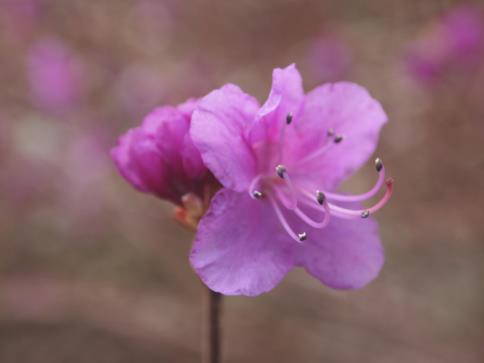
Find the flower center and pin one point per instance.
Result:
(284, 193)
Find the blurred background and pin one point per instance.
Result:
(93, 271)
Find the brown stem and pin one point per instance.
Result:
(211, 331)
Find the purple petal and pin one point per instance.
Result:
(138, 160)
(287, 96)
(218, 131)
(240, 248)
(350, 111)
(347, 254)
(55, 76)
(159, 157)
(168, 127)
(188, 106)
(191, 158)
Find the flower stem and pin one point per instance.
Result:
(211, 331)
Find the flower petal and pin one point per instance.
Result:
(287, 96)
(139, 161)
(192, 160)
(349, 110)
(347, 254)
(240, 248)
(168, 127)
(159, 157)
(218, 131)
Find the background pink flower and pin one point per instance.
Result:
(454, 42)
(55, 76)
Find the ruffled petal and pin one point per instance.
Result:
(192, 160)
(218, 131)
(240, 248)
(139, 161)
(287, 93)
(347, 254)
(121, 155)
(286, 96)
(188, 106)
(349, 110)
(159, 156)
(168, 127)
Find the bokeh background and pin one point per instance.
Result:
(93, 271)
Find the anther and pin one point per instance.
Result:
(365, 214)
(378, 164)
(320, 197)
(302, 236)
(280, 170)
(338, 139)
(289, 118)
(330, 132)
(257, 194)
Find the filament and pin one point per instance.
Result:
(350, 213)
(360, 197)
(303, 216)
(253, 184)
(283, 221)
(332, 140)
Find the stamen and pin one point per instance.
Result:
(282, 136)
(360, 197)
(320, 197)
(319, 152)
(302, 236)
(306, 219)
(378, 164)
(349, 213)
(338, 139)
(252, 190)
(257, 194)
(283, 174)
(281, 171)
(284, 223)
(289, 118)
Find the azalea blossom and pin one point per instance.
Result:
(56, 77)
(280, 164)
(160, 158)
(454, 42)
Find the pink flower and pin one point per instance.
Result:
(455, 41)
(279, 165)
(55, 76)
(159, 158)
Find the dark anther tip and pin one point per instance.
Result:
(302, 236)
(338, 139)
(320, 197)
(257, 194)
(378, 164)
(365, 214)
(280, 170)
(289, 118)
